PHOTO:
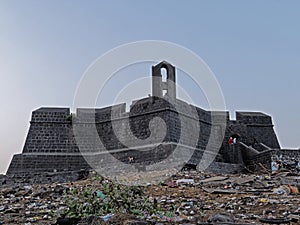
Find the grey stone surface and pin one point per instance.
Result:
(51, 146)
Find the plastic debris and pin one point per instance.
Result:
(221, 218)
(284, 189)
(100, 195)
(185, 181)
(275, 220)
(220, 191)
(294, 218)
(263, 200)
(172, 184)
(213, 179)
(294, 190)
(107, 217)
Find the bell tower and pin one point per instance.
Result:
(162, 87)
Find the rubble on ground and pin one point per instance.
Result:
(189, 197)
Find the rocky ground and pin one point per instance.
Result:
(190, 197)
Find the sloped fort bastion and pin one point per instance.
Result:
(51, 145)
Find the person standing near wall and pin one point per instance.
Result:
(230, 141)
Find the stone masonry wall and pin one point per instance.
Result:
(50, 132)
(288, 158)
(51, 145)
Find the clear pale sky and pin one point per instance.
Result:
(253, 48)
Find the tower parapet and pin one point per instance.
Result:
(165, 87)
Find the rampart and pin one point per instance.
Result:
(51, 144)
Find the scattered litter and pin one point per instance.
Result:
(185, 181)
(172, 184)
(189, 197)
(220, 191)
(284, 189)
(294, 218)
(107, 217)
(263, 200)
(28, 187)
(275, 220)
(294, 190)
(100, 195)
(244, 180)
(221, 218)
(213, 179)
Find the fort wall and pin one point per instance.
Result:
(50, 144)
(150, 132)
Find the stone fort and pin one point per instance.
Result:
(51, 145)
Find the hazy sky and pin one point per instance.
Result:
(253, 47)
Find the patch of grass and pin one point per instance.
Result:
(108, 198)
